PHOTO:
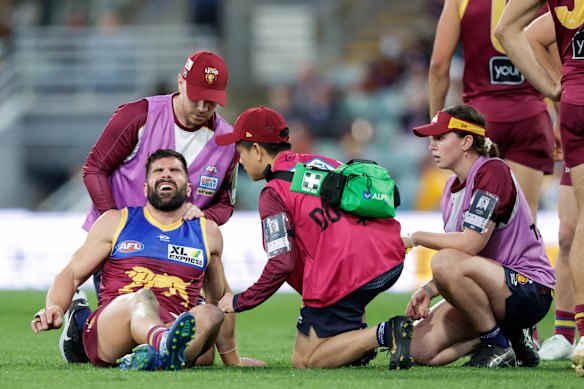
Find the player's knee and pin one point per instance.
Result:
(566, 236)
(146, 296)
(209, 316)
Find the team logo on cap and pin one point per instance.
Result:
(248, 134)
(211, 75)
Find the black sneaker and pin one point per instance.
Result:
(71, 341)
(401, 330)
(365, 359)
(492, 357)
(527, 355)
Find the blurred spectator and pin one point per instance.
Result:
(111, 55)
(313, 98)
(207, 13)
(301, 137)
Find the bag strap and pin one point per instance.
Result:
(358, 160)
(280, 175)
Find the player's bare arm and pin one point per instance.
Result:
(85, 260)
(517, 15)
(447, 36)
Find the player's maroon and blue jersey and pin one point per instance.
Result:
(491, 83)
(568, 18)
(170, 260)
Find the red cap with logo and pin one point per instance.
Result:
(261, 124)
(443, 123)
(205, 74)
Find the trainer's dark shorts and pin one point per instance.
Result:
(90, 339)
(566, 178)
(347, 313)
(572, 133)
(528, 304)
(529, 142)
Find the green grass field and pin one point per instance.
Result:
(268, 332)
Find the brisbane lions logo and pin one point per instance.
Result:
(144, 278)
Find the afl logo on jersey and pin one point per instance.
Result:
(129, 246)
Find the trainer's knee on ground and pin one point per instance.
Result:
(299, 361)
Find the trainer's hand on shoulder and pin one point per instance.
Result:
(419, 305)
(226, 303)
(47, 319)
(192, 212)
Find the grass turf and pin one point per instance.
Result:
(267, 332)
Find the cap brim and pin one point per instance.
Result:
(215, 95)
(227, 139)
(430, 130)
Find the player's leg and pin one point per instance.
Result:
(529, 180)
(572, 134)
(125, 323)
(576, 254)
(560, 345)
(476, 286)
(208, 322)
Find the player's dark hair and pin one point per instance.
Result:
(165, 153)
(480, 143)
(272, 149)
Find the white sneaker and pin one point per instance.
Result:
(555, 348)
(578, 359)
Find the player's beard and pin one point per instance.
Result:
(167, 202)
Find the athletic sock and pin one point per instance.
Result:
(494, 337)
(81, 316)
(383, 331)
(155, 336)
(565, 325)
(579, 317)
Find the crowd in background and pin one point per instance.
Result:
(368, 113)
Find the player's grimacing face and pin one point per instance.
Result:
(167, 187)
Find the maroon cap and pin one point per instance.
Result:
(206, 76)
(443, 123)
(259, 124)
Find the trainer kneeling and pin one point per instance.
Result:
(491, 267)
(337, 261)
